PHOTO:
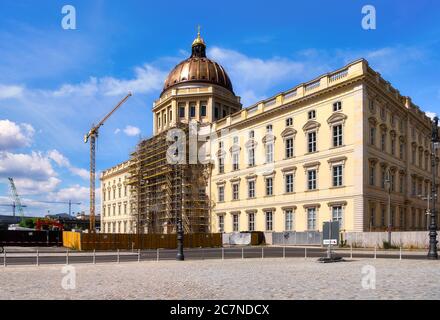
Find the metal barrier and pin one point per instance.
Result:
(44, 257)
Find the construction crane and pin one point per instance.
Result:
(16, 197)
(13, 206)
(63, 202)
(92, 135)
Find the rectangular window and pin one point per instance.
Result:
(181, 110)
(382, 216)
(384, 178)
(221, 165)
(221, 223)
(251, 134)
(337, 135)
(372, 216)
(269, 152)
(235, 191)
(393, 146)
(312, 114)
(372, 175)
(401, 184)
(203, 109)
(337, 176)
(251, 157)
(251, 221)
(401, 150)
(221, 194)
(311, 140)
(235, 160)
(289, 122)
(289, 148)
(337, 106)
(311, 218)
(235, 225)
(216, 111)
(288, 222)
(373, 136)
(192, 110)
(337, 214)
(170, 115)
(269, 186)
(311, 180)
(125, 208)
(269, 221)
(383, 140)
(289, 183)
(251, 189)
(269, 128)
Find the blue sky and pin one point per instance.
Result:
(55, 83)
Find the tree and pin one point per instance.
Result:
(27, 223)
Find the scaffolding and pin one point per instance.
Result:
(161, 191)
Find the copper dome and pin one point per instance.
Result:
(198, 68)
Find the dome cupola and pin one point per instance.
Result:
(198, 69)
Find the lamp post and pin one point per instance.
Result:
(432, 253)
(179, 212)
(388, 184)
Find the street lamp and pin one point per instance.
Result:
(428, 212)
(388, 185)
(432, 253)
(179, 213)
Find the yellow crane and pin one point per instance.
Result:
(92, 135)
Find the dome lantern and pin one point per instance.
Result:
(198, 46)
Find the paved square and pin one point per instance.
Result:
(293, 278)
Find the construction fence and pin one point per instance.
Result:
(114, 241)
(30, 238)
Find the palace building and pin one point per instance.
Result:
(345, 146)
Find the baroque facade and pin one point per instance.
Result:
(338, 147)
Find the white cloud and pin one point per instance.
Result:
(58, 158)
(117, 131)
(62, 161)
(132, 131)
(9, 92)
(32, 173)
(147, 79)
(430, 114)
(386, 60)
(13, 135)
(89, 88)
(27, 186)
(75, 193)
(34, 165)
(253, 77)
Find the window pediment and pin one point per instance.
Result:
(372, 121)
(311, 125)
(288, 132)
(251, 143)
(268, 138)
(336, 117)
(234, 148)
(221, 153)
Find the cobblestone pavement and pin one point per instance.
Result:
(292, 278)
